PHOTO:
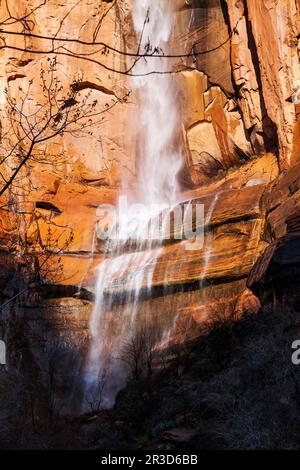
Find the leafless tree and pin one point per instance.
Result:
(28, 124)
(139, 350)
(95, 398)
(57, 113)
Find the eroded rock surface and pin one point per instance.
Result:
(239, 98)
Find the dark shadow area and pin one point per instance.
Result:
(270, 135)
(233, 388)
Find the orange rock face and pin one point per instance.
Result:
(239, 110)
(275, 29)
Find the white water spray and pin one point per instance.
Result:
(159, 159)
(159, 152)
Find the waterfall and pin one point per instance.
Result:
(159, 152)
(158, 161)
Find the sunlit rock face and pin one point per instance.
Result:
(90, 158)
(279, 76)
(252, 106)
(238, 80)
(235, 103)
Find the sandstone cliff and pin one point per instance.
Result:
(239, 79)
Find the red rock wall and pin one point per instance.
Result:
(239, 100)
(239, 105)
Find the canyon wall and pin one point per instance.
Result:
(236, 64)
(239, 92)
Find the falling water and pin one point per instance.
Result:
(159, 160)
(159, 152)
